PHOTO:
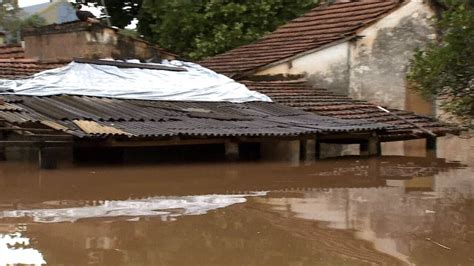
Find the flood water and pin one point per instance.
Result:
(394, 210)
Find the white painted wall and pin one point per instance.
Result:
(327, 68)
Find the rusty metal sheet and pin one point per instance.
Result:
(55, 125)
(10, 107)
(94, 128)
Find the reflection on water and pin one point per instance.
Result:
(167, 208)
(14, 250)
(352, 211)
(397, 220)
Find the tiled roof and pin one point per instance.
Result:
(92, 117)
(321, 26)
(22, 68)
(298, 94)
(11, 51)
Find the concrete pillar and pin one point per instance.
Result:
(371, 147)
(431, 143)
(232, 151)
(3, 156)
(318, 154)
(284, 150)
(308, 150)
(431, 147)
(48, 158)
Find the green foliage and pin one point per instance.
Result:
(128, 32)
(9, 21)
(32, 21)
(201, 28)
(13, 25)
(446, 67)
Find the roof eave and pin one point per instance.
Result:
(291, 58)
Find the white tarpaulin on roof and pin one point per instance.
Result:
(195, 84)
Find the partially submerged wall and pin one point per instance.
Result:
(380, 60)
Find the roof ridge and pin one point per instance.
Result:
(10, 45)
(303, 37)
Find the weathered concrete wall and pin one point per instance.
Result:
(380, 60)
(415, 148)
(327, 68)
(63, 43)
(416, 103)
(55, 46)
(282, 151)
(457, 148)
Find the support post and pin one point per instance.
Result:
(431, 143)
(308, 150)
(431, 146)
(232, 151)
(47, 158)
(371, 147)
(3, 156)
(318, 154)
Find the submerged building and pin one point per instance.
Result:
(81, 118)
(69, 116)
(356, 49)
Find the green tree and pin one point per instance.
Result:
(9, 21)
(12, 24)
(32, 21)
(445, 68)
(201, 28)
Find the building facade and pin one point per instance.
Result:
(373, 64)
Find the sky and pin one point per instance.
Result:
(95, 11)
(23, 3)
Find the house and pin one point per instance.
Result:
(339, 119)
(402, 139)
(297, 93)
(358, 48)
(65, 119)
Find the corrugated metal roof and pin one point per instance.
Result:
(9, 107)
(300, 95)
(94, 128)
(85, 116)
(321, 26)
(293, 93)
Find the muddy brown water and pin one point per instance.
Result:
(394, 210)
